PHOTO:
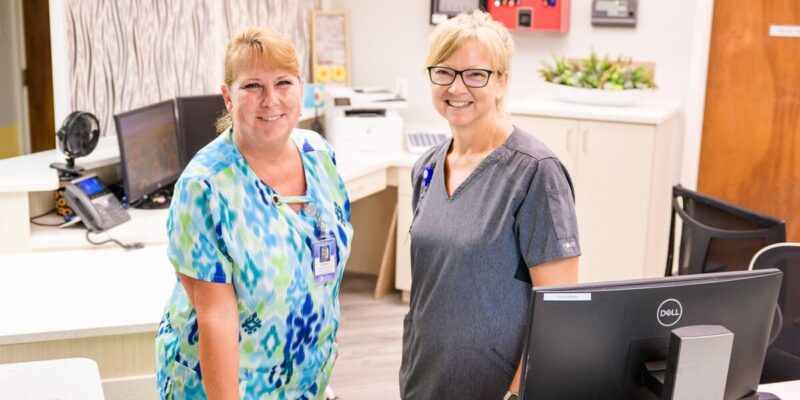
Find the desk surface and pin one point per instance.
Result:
(784, 390)
(149, 226)
(66, 379)
(82, 293)
(137, 283)
(32, 172)
(646, 112)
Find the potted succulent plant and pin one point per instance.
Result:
(598, 80)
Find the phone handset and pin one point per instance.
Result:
(95, 204)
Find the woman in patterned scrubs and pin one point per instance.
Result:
(255, 312)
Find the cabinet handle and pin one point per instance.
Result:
(585, 139)
(569, 139)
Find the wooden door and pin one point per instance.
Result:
(750, 152)
(39, 74)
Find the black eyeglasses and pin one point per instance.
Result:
(474, 78)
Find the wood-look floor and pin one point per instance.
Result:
(370, 341)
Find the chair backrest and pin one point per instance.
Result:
(784, 354)
(717, 236)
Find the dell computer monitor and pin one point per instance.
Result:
(197, 118)
(591, 341)
(148, 150)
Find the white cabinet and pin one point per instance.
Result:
(620, 160)
(402, 279)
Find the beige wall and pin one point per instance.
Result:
(9, 133)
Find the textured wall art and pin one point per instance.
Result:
(125, 54)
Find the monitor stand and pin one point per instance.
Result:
(708, 348)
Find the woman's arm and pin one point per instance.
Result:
(218, 321)
(557, 272)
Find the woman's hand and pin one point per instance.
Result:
(218, 321)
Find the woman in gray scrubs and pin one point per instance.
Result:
(493, 212)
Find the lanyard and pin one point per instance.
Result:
(310, 210)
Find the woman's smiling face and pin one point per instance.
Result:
(461, 105)
(265, 103)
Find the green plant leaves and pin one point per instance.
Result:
(598, 73)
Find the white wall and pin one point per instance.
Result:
(389, 41)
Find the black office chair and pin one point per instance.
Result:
(716, 235)
(782, 361)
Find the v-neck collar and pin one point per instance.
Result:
(487, 161)
(296, 141)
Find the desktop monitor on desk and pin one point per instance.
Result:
(593, 341)
(149, 153)
(197, 118)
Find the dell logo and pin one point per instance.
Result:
(669, 312)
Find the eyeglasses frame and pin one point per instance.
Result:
(461, 73)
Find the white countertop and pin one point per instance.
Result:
(646, 112)
(65, 379)
(784, 390)
(92, 291)
(32, 172)
(82, 293)
(149, 226)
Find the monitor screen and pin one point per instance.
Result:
(148, 149)
(197, 118)
(592, 340)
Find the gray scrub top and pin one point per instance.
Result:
(470, 254)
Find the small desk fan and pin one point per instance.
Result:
(77, 137)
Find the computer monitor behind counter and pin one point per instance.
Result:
(149, 153)
(592, 341)
(197, 117)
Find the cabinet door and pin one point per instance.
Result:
(560, 135)
(612, 190)
(402, 278)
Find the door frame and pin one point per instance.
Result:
(20, 90)
(696, 94)
(62, 97)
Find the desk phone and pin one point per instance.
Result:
(417, 142)
(95, 204)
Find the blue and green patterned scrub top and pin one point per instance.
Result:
(226, 226)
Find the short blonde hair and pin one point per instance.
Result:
(492, 36)
(257, 45)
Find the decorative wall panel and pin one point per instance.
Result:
(126, 54)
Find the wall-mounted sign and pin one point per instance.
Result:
(784, 30)
(441, 10)
(614, 12)
(330, 47)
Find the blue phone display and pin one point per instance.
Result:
(91, 186)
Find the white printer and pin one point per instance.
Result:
(363, 120)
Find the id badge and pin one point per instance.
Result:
(324, 251)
